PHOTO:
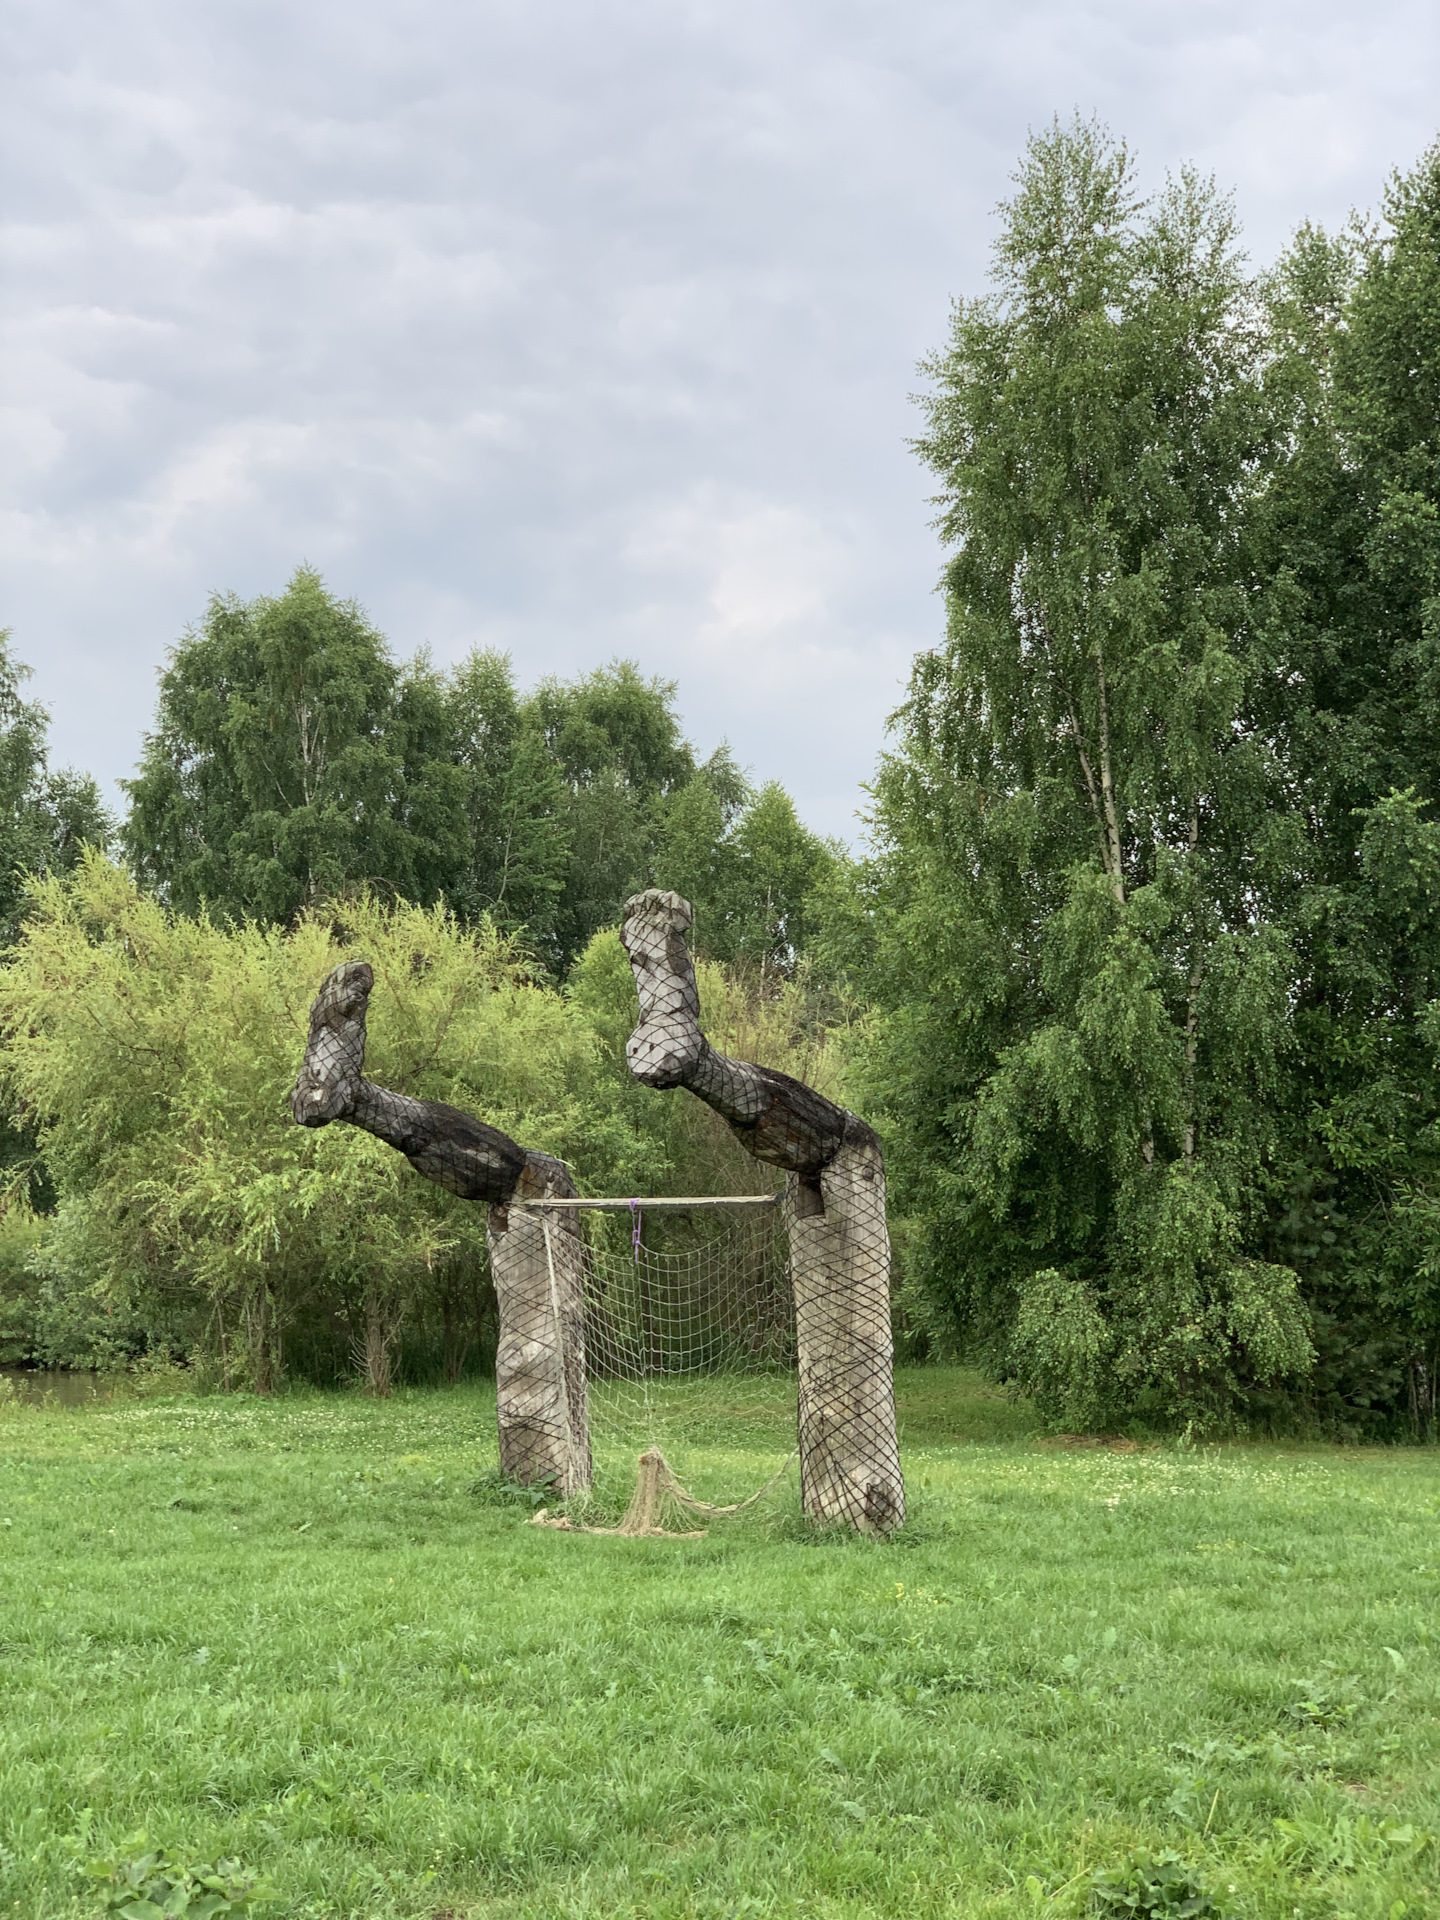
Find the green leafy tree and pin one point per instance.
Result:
(46, 817)
(614, 720)
(1086, 994)
(1350, 695)
(615, 739)
(778, 865)
(694, 854)
(637, 810)
(517, 833)
(292, 759)
(746, 862)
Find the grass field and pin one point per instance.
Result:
(298, 1633)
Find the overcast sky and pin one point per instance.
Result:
(575, 327)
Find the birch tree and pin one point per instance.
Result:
(1087, 997)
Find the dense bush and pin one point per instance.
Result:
(154, 1051)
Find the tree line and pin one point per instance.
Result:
(304, 795)
(1137, 972)
(294, 759)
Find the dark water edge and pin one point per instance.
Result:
(54, 1387)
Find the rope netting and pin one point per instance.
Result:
(689, 1333)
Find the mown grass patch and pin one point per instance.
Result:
(305, 1637)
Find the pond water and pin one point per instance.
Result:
(62, 1389)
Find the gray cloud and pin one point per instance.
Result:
(572, 326)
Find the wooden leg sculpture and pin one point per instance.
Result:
(835, 1201)
(540, 1362)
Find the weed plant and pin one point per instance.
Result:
(317, 1639)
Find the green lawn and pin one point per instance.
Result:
(295, 1633)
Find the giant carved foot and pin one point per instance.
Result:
(330, 1075)
(667, 1045)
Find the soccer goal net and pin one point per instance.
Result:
(689, 1348)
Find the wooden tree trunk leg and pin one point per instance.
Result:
(540, 1379)
(839, 1247)
(540, 1361)
(840, 1268)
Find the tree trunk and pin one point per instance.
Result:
(381, 1332)
(259, 1338)
(1115, 855)
(840, 1271)
(537, 1259)
(224, 1345)
(1192, 1019)
(457, 1335)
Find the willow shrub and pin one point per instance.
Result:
(155, 1052)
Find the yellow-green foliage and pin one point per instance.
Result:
(156, 1053)
(20, 1234)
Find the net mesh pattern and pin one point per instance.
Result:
(706, 1342)
(541, 1369)
(689, 1331)
(840, 1275)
